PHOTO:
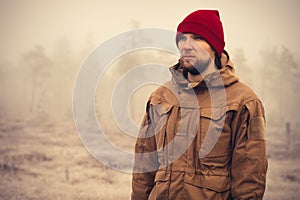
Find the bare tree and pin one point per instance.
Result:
(37, 65)
(280, 79)
(242, 67)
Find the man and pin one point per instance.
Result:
(203, 136)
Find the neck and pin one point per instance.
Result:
(210, 69)
(198, 77)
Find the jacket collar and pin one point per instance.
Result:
(219, 78)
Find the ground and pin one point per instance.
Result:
(46, 160)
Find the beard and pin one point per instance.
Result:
(194, 68)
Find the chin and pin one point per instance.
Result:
(189, 67)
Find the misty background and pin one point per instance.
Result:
(44, 43)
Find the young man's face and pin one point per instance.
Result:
(196, 53)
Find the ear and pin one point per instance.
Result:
(224, 58)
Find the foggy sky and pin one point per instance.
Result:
(250, 25)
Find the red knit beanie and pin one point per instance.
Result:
(207, 24)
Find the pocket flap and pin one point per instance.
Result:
(213, 113)
(216, 113)
(216, 183)
(162, 108)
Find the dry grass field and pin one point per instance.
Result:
(283, 179)
(40, 160)
(48, 161)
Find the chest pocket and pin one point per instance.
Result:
(215, 132)
(160, 116)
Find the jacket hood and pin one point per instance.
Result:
(219, 78)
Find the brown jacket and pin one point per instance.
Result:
(175, 160)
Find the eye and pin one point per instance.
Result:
(181, 37)
(197, 37)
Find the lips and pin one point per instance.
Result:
(188, 57)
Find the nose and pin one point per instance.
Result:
(186, 44)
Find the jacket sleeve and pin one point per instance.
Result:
(249, 161)
(145, 163)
